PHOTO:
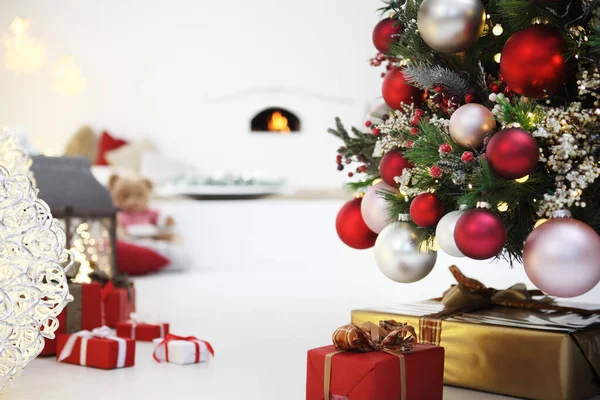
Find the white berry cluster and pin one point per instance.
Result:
(572, 155)
(389, 138)
(588, 82)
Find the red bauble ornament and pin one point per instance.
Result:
(396, 90)
(392, 164)
(480, 234)
(351, 227)
(532, 62)
(513, 153)
(426, 210)
(383, 32)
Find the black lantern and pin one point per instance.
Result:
(85, 209)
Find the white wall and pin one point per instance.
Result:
(154, 66)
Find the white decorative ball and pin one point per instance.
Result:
(399, 255)
(451, 26)
(444, 233)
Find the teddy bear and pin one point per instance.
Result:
(131, 195)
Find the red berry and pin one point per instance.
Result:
(470, 98)
(338, 158)
(414, 131)
(416, 119)
(438, 88)
(467, 157)
(350, 174)
(409, 144)
(445, 148)
(368, 124)
(348, 160)
(361, 158)
(376, 131)
(435, 172)
(362, 168)
(419, 112)
(495, 88)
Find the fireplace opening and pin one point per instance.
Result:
(277, 120)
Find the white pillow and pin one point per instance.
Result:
(130, 155)
(161, 169)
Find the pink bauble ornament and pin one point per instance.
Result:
(374, 208)
(562, 257)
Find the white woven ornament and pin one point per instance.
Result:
(33, 285)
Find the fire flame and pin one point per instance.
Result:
(278, 123)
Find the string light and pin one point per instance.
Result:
(497, 57)
(497, 31)
(523, 179)
(23, 52)
(540, 222)
(502, 207)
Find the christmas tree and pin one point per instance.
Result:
(487, 144)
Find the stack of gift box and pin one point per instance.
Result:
(100, 328)
(514, 342)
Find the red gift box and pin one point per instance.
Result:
(83, 313)
(119, 303)
(377, 375)
(98, 350)
(144, 332)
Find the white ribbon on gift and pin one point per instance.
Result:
(105, 333)
(135, 320)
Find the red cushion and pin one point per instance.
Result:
(137, 260)
(106, 144)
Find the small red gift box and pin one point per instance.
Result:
(362, 367)
(83, 313)
(144, 332)
(119, 303)
(98, 349)
(377, 375)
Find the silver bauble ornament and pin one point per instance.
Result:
(398, 254)
(562, 257)
(451, 26)
(444, 233)
(470, 124)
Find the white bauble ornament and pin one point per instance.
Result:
(399, 256)
(444, 233)
(451, 26)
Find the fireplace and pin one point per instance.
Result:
(275, 120)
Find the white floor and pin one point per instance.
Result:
(270, 281)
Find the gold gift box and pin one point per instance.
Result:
(517, 352)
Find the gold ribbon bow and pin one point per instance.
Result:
(470, 295)
(389, 336)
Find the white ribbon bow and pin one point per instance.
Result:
(104, 332)
(135, 320)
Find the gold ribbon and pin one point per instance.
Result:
(471, 295)
(397, 339)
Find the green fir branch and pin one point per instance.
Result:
(523, 111)
(358, 145)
